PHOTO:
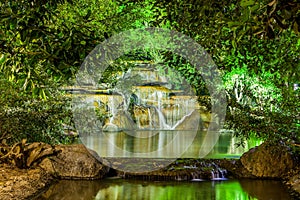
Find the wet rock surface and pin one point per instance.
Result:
(45, 163)
(272, 162)
(164, 169)
(268, 161)
(235, 168)
(74, 162)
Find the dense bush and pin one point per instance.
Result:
(34, 119)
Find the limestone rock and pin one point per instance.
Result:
(74, 162)
(190, 122)
(234, 168)
(123, 121)
(268, 161)
(109, 127)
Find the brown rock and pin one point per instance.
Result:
(294, 183)
(21, 184)
(47, 165)
(268, 161)
(74, 162)
(235, 168)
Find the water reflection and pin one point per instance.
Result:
(119, 189)
(167, 144)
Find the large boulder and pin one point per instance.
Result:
(190, 122)
(234, 168)
(74, 162)
(121, 121)
(268, 161)
(294, 184)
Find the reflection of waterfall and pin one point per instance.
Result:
(155, 142)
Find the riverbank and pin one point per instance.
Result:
(76, 162)
(18, 183)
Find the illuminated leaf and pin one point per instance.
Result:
(245, 3)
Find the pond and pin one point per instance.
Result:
(167, 144)
(120, 189)
(154, 120)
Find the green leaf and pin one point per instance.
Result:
(83, 42)
(254, 8)
(2, 58)
(245, 3)
(233, 24)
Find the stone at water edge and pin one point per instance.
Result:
(268, 161)
(110, 128)
(190, 122)
(121, 121)
(74, 162)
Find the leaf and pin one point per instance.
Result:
(296, 28)
(254, 8)
(270, 32)
(233, 44)
(272, 3)
(232, 24)
(245, 3)
(24, 34)
(83, 42)
(2, 58)
(245, 15)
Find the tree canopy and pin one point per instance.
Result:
(254, 43)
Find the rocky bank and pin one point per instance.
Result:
(26, 170)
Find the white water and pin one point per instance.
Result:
(218, 174)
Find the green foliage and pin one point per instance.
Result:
(254, 43)
(34, 119)
(42, 46)
(45, 43)
(258, 93)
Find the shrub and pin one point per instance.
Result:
(34, 119)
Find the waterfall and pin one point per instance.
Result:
(218, 174)
(162, 121)
(150, 119)
(112, 107)
(196, 177)
(156, 106)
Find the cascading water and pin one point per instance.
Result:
(162, 121)
(139, 110)
(218, 174)
(155, 106)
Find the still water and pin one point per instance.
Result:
(167, 144)
(120, 189)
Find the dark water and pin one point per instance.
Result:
(120, 189)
